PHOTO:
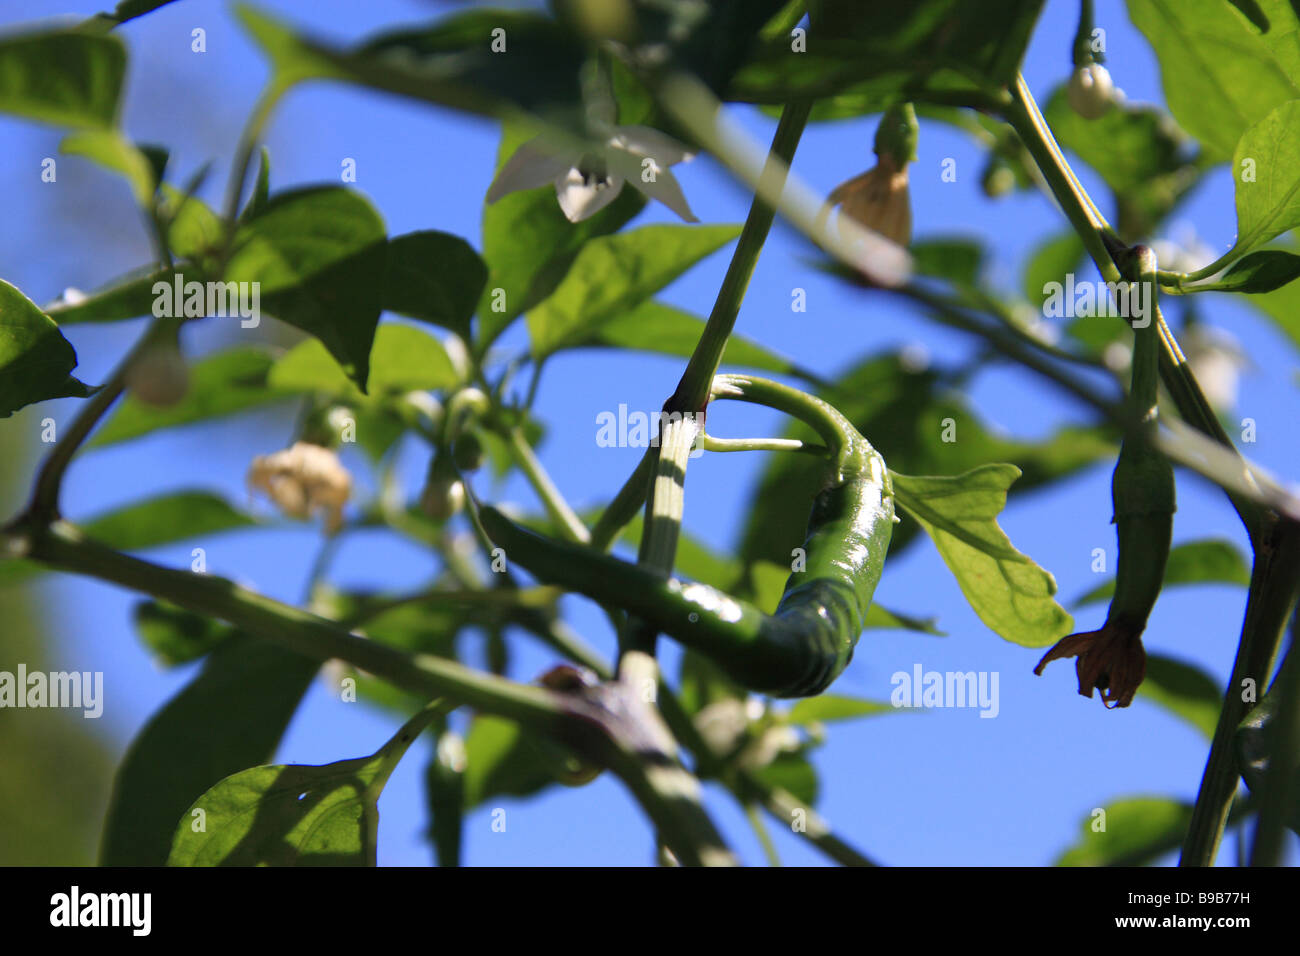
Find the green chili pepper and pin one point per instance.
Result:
(1112, 659)
(801, 648)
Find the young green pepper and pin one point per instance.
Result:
(801, 648)
(1112, 659)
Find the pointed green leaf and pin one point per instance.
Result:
(64, 77)
(1220, 73)
(1257, 273)
(1266, 171)
(403, 359)
(434, 276)
(127, 297)
(613, 274)
(113, 151)
(1011, 594)
(1185, 690)
(316, 253)
(1135, 832)
(231, 716)
(294, 815)
(830, 707)
(36, 361)
(175, 635)
(655, 327)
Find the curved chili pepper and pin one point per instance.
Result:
(802, 647)
(1112, 659)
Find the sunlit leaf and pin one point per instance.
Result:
(1011, 594)
(64, 77)
(36, 361)
(198, 738)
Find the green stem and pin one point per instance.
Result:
(1280, 797)
(1098, 238)
(1272, 598)
(764, 838)
(693, 389)
(556, 505)
(691, 394)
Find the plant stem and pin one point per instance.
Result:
(764, 838)
(556, 505)
(1280, 796)
(1272, 598)
(692, 392)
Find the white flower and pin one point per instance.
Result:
(586, 183)
(302, 480)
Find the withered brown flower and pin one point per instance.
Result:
(878, 199)
(1112, 660)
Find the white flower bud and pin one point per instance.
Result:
(158, 376)
(1090, 91)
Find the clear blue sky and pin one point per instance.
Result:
(940, 788)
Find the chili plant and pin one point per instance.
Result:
(600, 105)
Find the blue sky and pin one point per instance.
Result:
(939, 788)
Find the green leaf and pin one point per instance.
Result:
(127, 297)
(868, 55)
(829, 707)
(403, 359)
(1183, 689)
(615, 273)
(434, 276)
(655, 327)
(1128, 145)
(1282, 305)
(502, 760)
(294, 815)
(1010, 593)
(64, 77)
(1259, 272)
(175, 635)
(1051, 262)
(1210, 561)
(444, 787)
(231, 716)
(955, 259)
(113, 151)
(261, 188)
(529, 245)
(794, 774)
(147, 524)
(1138, 830)
(36, 361)
(1220, 74)
(164, 519)
(126, 10)
(220, 385)
(316, 253)
(1269, 203)
(194, 230)
(885, 619)
(451, 63)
